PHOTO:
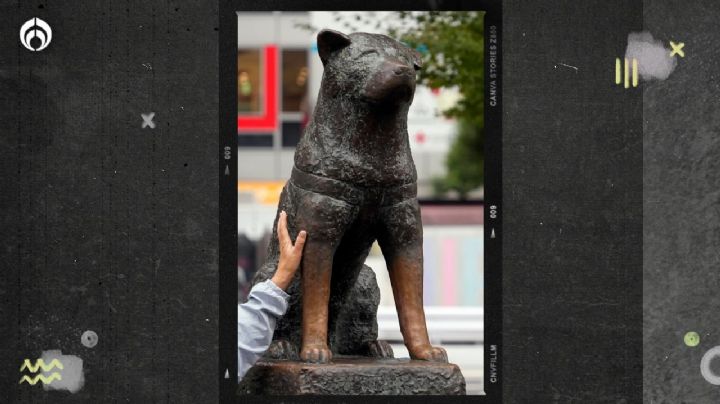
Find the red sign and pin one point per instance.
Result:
(267, 122)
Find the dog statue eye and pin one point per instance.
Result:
(367, 53)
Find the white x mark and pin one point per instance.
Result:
(148, 120)
(677, 48)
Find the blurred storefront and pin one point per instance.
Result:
(279, 74)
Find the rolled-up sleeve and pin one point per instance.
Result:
(256, 322)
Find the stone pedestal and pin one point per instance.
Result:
(352, 376)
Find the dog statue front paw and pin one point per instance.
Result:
(316, 354)
(429, 353)
(379, 349)
(281, 349)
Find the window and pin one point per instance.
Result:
(272, 96)
(255, 140)
(291, 132)
(249, 84)
(294, 80)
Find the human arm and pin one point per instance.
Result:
(267, 301)
(256, 322)
(290, 254)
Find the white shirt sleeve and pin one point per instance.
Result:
(256, 322)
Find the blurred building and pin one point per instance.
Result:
(279, 74)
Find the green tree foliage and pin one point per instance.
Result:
(452, 44)
(453, 50)
(465, 162)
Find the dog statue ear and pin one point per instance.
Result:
(329, 41)
(417, 60)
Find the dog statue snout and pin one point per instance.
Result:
(401, 70)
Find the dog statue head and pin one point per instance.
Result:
(370, 67)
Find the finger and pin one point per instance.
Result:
(283, 236)
(300, 240)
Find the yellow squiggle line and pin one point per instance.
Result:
(41, 364)
(45, 380)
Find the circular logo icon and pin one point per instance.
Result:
(692, 339)
(89, 339)
(35, 34)
(705, 370)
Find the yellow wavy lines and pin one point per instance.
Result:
(41, 364)
(40, 377)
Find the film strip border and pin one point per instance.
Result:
(227, 363)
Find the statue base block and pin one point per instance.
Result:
(353, 376)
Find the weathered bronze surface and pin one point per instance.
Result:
(354, 182)
(351, 376)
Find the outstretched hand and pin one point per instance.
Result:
(290, 254)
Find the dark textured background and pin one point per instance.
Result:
(106, 228)
(572, 193)
(681, 209)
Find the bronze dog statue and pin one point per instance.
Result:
(354, 182)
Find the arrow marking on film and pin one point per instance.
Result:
(492, 233)
(227, 170)
(227, 373)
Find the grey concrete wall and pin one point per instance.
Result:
(572, 205)
(107, 226)
(681, 228)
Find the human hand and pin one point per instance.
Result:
(290, 255)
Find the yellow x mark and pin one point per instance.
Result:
(677, 48)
